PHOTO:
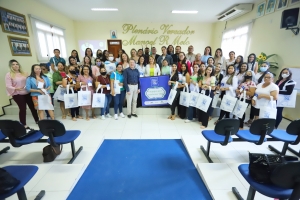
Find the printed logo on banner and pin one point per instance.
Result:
(154, 82)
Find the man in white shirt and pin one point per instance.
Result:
(190, 55)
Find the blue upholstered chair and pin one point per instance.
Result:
(23, 173)
(289, 136)
(258, 131)
(17, 134)
(221, 134)
(58, 135)
(285, 182)
(2, 137)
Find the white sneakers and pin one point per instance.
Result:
(122, 115)
(108, 115)
(116, 116)
(187, 121)
(103, 117)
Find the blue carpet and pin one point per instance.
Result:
(140, 169)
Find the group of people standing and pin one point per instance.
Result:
(207, 73)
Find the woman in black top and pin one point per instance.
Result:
(173, 79)
(286, 86)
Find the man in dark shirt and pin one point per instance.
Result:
(153, 53)
(176, 55)
(147, 54)
(132, 86)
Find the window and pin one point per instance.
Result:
(236, 40)
(48, 37)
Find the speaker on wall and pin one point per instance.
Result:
(289, 18)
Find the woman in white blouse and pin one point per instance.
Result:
(231, 59)
(264, 93)
(228, 86)
(219, 58)
(141, 66)
(252, 64)
(152, 69)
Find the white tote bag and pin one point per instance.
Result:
(287, 101)
(117, 87)
(59, 93)
(228, 103)
(203, 101)
(184, 99)
(215, 101)
(240, 107)
(269, 110)
(172, 94)
(44, 101)
(70, 99)
(84, 97)
(98, 98)
(194, 95)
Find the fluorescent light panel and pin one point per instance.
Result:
(185, 11)
(104, 9)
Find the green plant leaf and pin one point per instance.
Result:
(269, 56)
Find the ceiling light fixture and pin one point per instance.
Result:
(184, 11)
(104, 9)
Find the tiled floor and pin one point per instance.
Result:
(58, 178)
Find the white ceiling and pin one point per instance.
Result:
(143, 10)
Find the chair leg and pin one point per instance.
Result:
(74, 154)
(21, 194)
(237, 194)
(40, 195)
(283, 151)
(251, 193)
(294, 152)
(206, 152)
(4, 150)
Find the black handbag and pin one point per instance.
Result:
(51, 152)
(7, 182)
(261, 166)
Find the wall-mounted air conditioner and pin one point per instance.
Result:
(236, 11)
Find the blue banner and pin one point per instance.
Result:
(154, 90)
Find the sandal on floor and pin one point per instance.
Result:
(94, 117)
(203, 127)
(87, 119)
(173, 117)
(64, 117)
(248, 122)
(69, 114)
(79, 117)
(216, 122)
(170, 117)
(209, 118)
(74, 119)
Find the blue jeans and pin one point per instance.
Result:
(108, 98)
(118, 101)
(191, 111)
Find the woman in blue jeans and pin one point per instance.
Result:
(104, 81)
(118, 98)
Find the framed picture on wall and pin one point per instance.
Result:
(261, 9)
(19, 46)
(292, 2)
(113, 34)
(282, 4)
(270, 7)
(12, 22)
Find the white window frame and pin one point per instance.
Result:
(50, 32)
(247, 46)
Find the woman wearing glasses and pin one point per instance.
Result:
(264, 93)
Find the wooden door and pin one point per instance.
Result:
(113, 46)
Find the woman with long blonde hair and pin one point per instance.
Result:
(15, 81)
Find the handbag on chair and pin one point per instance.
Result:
(51, 152)
(261, 166)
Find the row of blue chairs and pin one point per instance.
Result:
(285, 178)
(17, 137)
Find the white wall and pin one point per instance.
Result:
(101, 31)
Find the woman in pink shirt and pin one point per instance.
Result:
(15, 81)
(182, 59)
(86, 79)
